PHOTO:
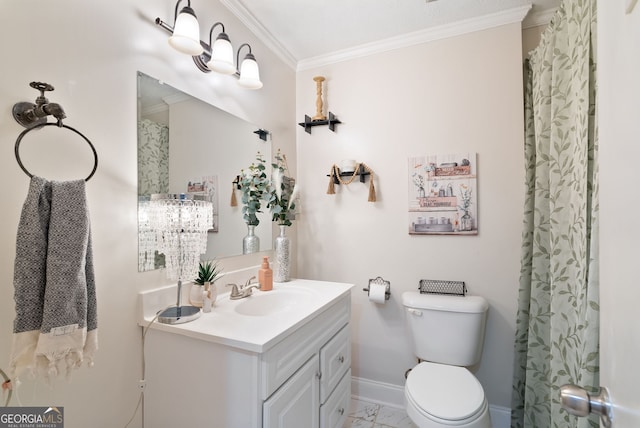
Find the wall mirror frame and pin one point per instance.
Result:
(188, 145)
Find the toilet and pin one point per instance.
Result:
(447, 334)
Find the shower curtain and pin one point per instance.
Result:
(557, 319)
(153, 177)
(153, 157)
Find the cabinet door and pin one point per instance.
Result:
(335, 359)
(334, 412)
(296, 403)
(285, 358)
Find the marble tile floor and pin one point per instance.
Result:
(371, 415)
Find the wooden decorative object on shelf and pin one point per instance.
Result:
(319, 118)
(319, 115)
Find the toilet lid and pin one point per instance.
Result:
(446, 392)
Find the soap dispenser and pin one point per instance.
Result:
(265, 275)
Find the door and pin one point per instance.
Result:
(296, 403)
(619, 131)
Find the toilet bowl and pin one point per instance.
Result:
(447, 334)
(440, 395)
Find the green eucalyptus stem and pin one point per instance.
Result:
(254, 184)
(281, 193)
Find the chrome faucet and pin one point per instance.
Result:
(244, 290)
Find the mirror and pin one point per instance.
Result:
(186, 145)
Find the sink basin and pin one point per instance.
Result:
(255, 323)
(280, 300)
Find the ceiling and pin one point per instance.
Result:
(305, 31)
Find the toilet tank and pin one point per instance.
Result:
(446, 329)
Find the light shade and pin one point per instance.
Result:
(250, 73)
(186, 33)
(222, 55)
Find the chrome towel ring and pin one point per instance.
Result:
(58, 125)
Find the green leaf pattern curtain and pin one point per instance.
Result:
(153, 157)
(558, 312)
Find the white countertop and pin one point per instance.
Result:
(229, 324)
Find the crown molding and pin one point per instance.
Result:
(458, 28)
(163, 105)
(178, 97)
(243, 14)
(156, 108)
(536, 19)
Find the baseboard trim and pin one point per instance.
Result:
(500, 416)
(377, 392)
(387, 394)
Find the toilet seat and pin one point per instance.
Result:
(446, 395)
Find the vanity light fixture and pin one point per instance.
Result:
(221, 59)
(213, 56)
(249, 76)
(185, 36)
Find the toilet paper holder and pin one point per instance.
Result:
(380, 281)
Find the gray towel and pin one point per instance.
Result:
(56, 317)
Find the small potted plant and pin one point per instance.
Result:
(208, 273)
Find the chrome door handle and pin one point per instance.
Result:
(577, 401)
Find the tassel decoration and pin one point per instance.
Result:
(234, 201)
(331, 190)
(372, 189)
(333, 176)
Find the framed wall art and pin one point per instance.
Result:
(443, 195)
(208, 187)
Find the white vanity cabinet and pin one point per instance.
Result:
(300, 378)
(312, 391)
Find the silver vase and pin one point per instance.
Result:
(282, 247)
(251, 242)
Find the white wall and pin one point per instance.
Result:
(461, 94)
(90, 52)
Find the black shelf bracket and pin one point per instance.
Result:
(262, 134)
(308, 123)
(361, 172)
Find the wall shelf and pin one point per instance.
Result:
(361, 172)
(308, 123)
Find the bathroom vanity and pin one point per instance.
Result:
(276, 359)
